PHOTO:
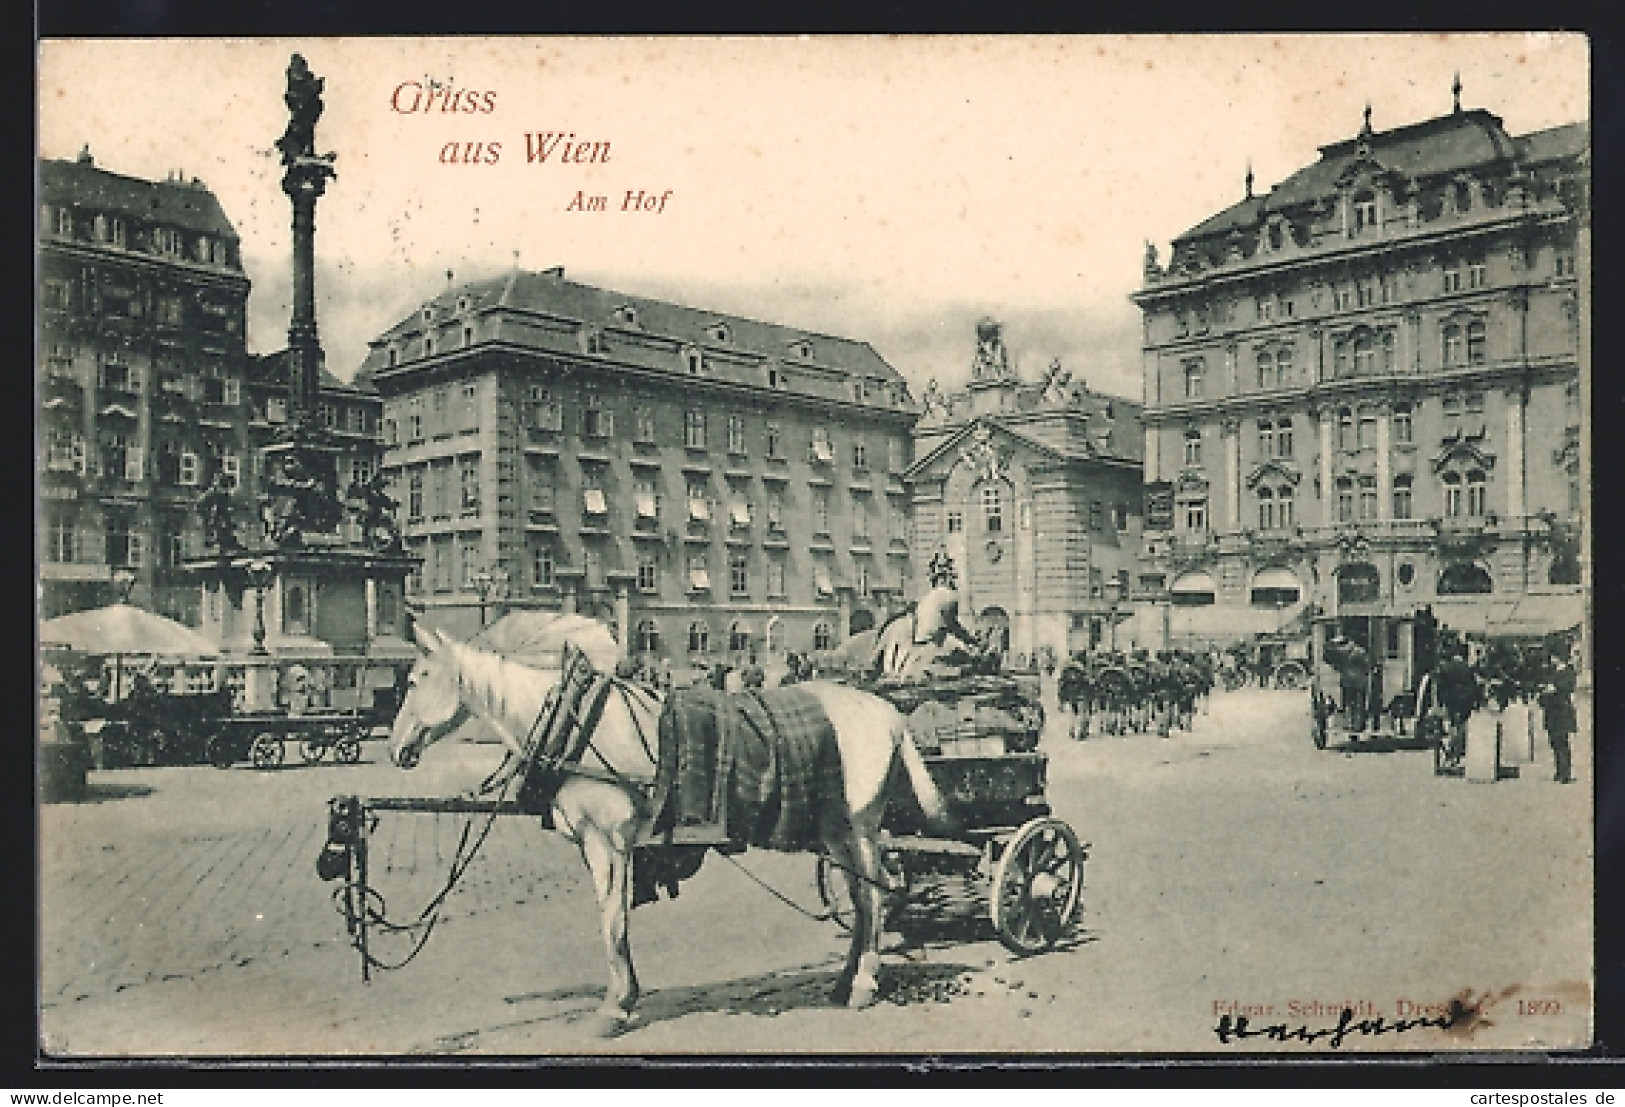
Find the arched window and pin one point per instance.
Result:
(1358, 583)
(1193, 446)
(1345, 428)
(699, 638)
(648, 636)
(1452, 495)
(1266, 369)
(822, 639)
(1477, 493)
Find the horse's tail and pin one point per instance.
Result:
(919, 778)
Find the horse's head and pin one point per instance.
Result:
(431, 707)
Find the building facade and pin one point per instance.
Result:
(142, 319)
(1034, 490)
(711, 486)
(1364, 387)
(147, 391)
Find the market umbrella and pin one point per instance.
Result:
(537, 638)
(123, 629)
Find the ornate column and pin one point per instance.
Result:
(304, 182)
(1516, 508)
(1385, 480)
(1232, 474)
(1328, 494)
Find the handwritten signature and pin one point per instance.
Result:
(1239, 1029)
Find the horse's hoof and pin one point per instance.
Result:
(613, 1025)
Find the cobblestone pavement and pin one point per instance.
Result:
(181, 913)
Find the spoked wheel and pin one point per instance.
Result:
(1037, 886)
(347, 750)
(835, 892)
(267, 751)
(312, 750)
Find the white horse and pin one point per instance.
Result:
(451, 682)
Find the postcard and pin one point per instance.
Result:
(1039, 546)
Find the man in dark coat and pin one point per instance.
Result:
(1557, 709)
(1353, 665)
(1460, 695)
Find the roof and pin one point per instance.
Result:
(1432, 148)
(551, 293)
(269, 369)
(1048, 449)
(187, 204)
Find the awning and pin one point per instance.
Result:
(699, 510)
(1192, 583)
(739, 512)
(1277, 579)
(823, 451)
(593, 500)
(699, 579)
(1539, 615)
(647, 506)
(823, 580)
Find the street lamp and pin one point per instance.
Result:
(259, 578)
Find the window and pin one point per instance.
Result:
(468, 562)
(699, 573)
(61, 540)
(860, 519)
(699, 502)
(646, 498)
(64, 222)
(775, 577)
(414, 420)
(1266, 309)
(595, 421)
(440, 411)
(1563, 265)
(863, 579)
(693, 361)
(1194, 515)
(1365, 294)
(1283, 436)
(592, 567)
(645, 424)
(894, 455)
(1266, 438)
(1475, 343)
(1477, 275)
(822, 638)
(1266, 509)
(546, 411)
(469, 477)
(1341, 361)
(775, 441)
(992, 508)
(1452, 279)
(1283, 506)
(821, 511)
(1477, 493)
(1345, 500)
(860, 455)
(1097, 515)
(1120, 517)
(469, 412)
(694, 429)
(699, 638)
(1454, 348)
(1193, 447)
(440, 490)
(1365, 212)
(738, 574)
(736, 434)
(1345, 428)
(775, 377)
(1365, 355)
(775, 509)
(738, 509)
(648, 636)
(543, 486)
(1402, 496)
(1474, 402)
(542, 566)
(1403, 430)
(123, 543)
(1343, 299)
(1266, 369)
(1368, 498)
(1368, 429)
(1452, 495)
(1462, 195)
(822, 449)
(956, 522)
(1193, 379)
(414, 495)
(188, 472)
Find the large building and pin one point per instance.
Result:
(1363, 386)
(147, 392)
(142, 316)
(1034, 490)
(712, 486)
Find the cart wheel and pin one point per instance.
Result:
(835, 893)
(312, 750)
(1037, 886)
(347, 750)
(267, 751)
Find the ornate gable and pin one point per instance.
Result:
(1464, 454)
(1275, 472)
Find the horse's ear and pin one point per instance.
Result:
(426, 638)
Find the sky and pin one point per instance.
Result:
(889, 190)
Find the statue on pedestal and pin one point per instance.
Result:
(304, 100)
(373, 509)
(297, 502)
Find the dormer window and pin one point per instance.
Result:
(775, 377)
(626, 315)
(462, 303)
(718, 332)
(64, 222)
(693, 361)
(1365, 211)
(801, 348)
(392, 356)
(428, 345)
(428, 315)
(592, 340)
(1461, 194)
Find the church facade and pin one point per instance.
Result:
(1034, 490)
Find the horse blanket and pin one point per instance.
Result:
(760, 763)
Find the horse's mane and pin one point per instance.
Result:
(495, 686)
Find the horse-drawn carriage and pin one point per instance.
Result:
(262, 737)
(1364, 670)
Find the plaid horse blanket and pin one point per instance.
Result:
(759, 763)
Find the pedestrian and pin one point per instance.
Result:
(1459, 695)
(1557, 711)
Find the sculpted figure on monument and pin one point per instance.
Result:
(304, 100)
(374, 511)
